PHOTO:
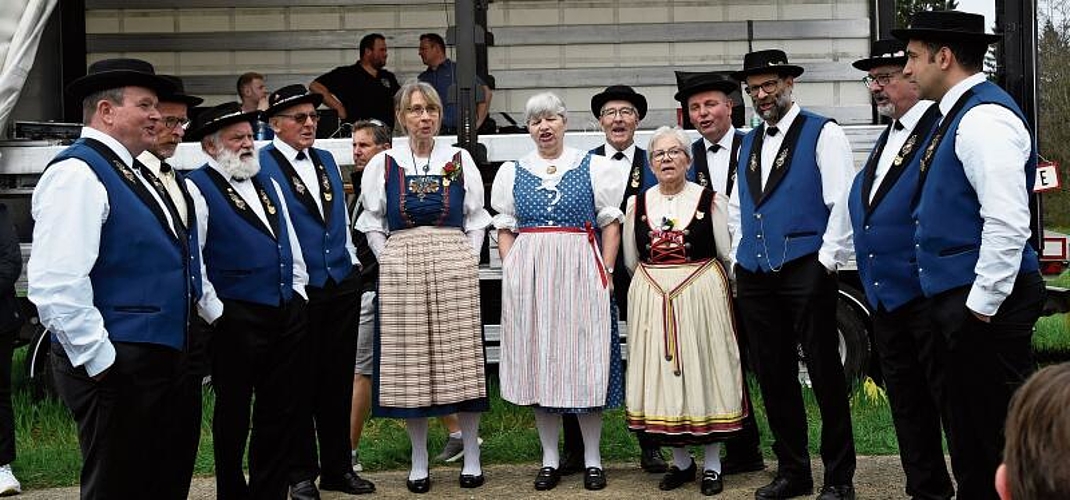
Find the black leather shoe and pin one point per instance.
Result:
(350, 483)
(650, 460)
(572, 464)
(732, 465)
(840, 492)
(304, 490)
(547, 478)
(712, 483)
(676, 478)
(471, 481)
(419, 485)
(594, 478)
(782, 487)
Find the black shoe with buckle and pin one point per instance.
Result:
(782, 487)
(594, 478)
(471, 480)
(712, 483)
(650, 460)
(350, 483)
(547, 478)
(304, 490)
(419, 485)
(732, 465)
(838, 492)
(676, 478)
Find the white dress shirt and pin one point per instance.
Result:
(69, 208)
(896, 139)
(623, 165)
(169, 181)
(994, 145)
(836, 163)
(718, 162)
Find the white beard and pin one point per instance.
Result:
(886, 110)
(232, 163)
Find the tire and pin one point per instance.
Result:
(39, 365)
(854, 342)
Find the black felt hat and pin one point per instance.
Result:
(618, 93)
(767, 61)
(117, 73)
(884, 52)
(179, 93)
(290, 96)
(691, 83)
(948, 25)
(213, 119)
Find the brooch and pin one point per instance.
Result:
(267, 202)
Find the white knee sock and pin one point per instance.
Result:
(591, 429)
(713, 457)
(470, 434)
(548, 425)
(417, 428)
(681, 458)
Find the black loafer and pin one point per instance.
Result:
(731, 465)
(304, 490)
(419, 485)
(547, 478)
(782, 487)
(676, 478)
(839, 492)
(471, 481)
(650, 460)
(350, 483)
(712, 483)
(594, 479)
(572, 464)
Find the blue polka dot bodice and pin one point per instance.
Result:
(569, 204)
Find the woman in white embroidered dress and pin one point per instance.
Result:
(555, 341)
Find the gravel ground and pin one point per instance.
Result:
(878, 477)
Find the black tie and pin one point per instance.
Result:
(619, 156)
(772, 131)
(715, 148)
(897, 125)
(165, 167)
(301, 156)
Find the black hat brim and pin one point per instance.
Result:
(722, 85)
(783, 69)
(211, 127)
(601, 99)
(81, 87)
(907, 34)
(872, 62)
(312, 98)
(188, 100)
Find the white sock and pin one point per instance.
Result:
(457, 435)
(548, 425)
(681, 458)
(417, 428)
(591, 429)
(470, 432)
(713, 458)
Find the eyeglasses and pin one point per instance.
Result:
(882, 79)
(302, 117)
(626, 112)
(768, 87)
(171, 122)
(661, 154)
(419, 110)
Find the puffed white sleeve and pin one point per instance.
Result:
(501, 197)
(631, 253)
(476, 216)
(373, 193)
(209, 307)
(608, 184)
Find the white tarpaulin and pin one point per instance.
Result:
(21, 25)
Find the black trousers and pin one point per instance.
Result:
(910, 356)
(986, 363)
(745, 445)
(124, 452)
(187, 404)
(261, 350)
(797, 306)
(7, 414)
(333, 315)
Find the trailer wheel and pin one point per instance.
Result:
(39, 365)
(854, 343)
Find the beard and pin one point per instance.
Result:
(887, 109)
(232, 163)
(781, 105)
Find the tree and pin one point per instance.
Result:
(905, 9)
(1053, 95)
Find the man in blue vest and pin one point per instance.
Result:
(880, 205)
(974, 259)
(707, 100)
(255, 267)
(791, 234)
(114, 276)
(312, 185)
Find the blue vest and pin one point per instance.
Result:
(244, 261)
(884, 228)
(323, 242)
(788, 219)
(142, 281)
(423, 200)
(948, 214)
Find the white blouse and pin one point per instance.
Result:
(607, 182)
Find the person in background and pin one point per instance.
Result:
(10, 322)
(441, 73)
(1036, 456)
(363, 90)
(253, 96)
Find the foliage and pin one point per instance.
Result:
(904, 9)
(1053, 94)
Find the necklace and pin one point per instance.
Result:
(427, 164)
(670, 196)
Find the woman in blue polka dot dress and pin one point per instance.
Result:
(556, 351)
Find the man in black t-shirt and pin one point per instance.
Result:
(363, 90)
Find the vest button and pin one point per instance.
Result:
(871, 256)
(867, 227)
(876, 283)
(328, 250)
(759, 256)
(759, 236)
(757, 216)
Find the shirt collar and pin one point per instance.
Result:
(913, 115)
(725, 141)
(785, 121)
(111, 143)
(629, 152)
(954, 93)
(150, 160)
(287, 151)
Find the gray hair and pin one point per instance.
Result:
(673, 133)
(89, 104)
(543, 105)
(380, 132)
(403, 99)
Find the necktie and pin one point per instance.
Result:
(301, 156)
(715, 148)
(165, 167)
(772, 131)
(898, 125)
(619, 156)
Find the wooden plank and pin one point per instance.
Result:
(246, 4)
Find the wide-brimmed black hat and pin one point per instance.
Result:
(117, 73)
(884, 52)
(951, 25)
(767, 61)
(618, 93)
(213, 119)
(691, 83)
(179, 93)
(289, 96)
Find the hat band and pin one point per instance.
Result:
(224, 117)
(288, 99)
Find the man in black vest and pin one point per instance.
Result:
(114, 275)
(880, 199)
(707, 100)
(972, 229)
(793, 234)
